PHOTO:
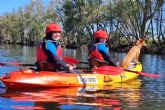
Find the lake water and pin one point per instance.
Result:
(143, 93)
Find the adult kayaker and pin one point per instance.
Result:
(98, 51)
(49, 51)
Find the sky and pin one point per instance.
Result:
(9, 5)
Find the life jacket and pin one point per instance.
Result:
(41, 55)
(41, 52)
(96, 54)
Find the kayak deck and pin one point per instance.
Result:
(31, 79)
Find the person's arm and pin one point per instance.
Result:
(108, 59)
(103, 49)
(94, 52)
(52, 55)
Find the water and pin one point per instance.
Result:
(141, 94)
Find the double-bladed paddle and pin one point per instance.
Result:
(119, 69)
(111, 69)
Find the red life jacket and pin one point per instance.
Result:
(41, 54)
(96, 54)
(59, 51)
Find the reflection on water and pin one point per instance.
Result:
(113, 97)
(156, 63)
(141, 94)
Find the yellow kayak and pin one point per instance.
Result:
(29, 78)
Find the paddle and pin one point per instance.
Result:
(72, 60)
(111, 69)
(15, 64)
(69, 60)
(119, 69)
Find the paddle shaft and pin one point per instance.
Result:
(16, 64)
(83, 62)
(27, 64)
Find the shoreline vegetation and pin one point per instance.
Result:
(116, 48)
(125, 22)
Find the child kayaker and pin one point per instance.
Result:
(99, 52)
(49, 51)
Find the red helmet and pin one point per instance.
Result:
(53, 28)
(101, 34)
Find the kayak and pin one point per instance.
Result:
(30, 78)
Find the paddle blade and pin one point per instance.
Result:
(15, 64)
(71, 60)
(111, 68)
(3, 64)
(145, 74)
(150, 75)
(108, 70)
(10, 63)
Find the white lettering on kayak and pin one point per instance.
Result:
(87, 79)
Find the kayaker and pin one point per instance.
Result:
(99, 51)
(49, 51)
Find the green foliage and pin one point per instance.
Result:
(26, 26)
(124, 20)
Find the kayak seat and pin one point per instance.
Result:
(93, 62)
(45, 66)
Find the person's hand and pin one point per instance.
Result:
(95, 67)
(74, 65)
(70, 67)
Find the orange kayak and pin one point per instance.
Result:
(29, 78)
